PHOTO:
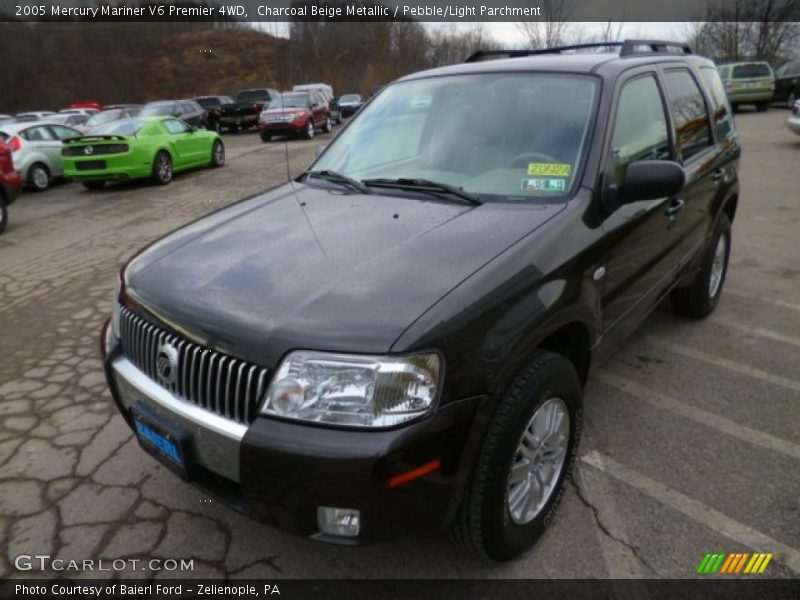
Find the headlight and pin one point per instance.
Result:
(362, 391)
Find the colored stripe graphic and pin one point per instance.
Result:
(734, 563)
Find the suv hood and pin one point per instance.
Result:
(318, 268)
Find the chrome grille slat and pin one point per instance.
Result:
(216, 382)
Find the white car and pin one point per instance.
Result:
(36, 150)
(70, 119)
(793, 122)
(33, 115)
(79, 111)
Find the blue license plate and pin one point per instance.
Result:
(167, 446)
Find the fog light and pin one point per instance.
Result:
(343, 522)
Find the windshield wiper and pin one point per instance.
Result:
(335, 177)
(424, 186)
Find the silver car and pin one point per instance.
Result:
(70, 119)
(36, 150)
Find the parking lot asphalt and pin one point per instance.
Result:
(691, 440)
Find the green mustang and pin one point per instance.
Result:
(135, 148)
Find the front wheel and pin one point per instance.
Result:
(328, 126)
(700, 297)
(162, 168)
(217, 154)
(526, 455)
(309, 134)
(791, 99)
(265, 137)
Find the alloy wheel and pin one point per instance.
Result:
(717, 266)
(538, 461)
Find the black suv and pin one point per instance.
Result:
(213, 107)
(188, 111)
(397, 341)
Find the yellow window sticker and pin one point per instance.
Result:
(549, 169)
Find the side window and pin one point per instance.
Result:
(175, 126)
(689, 111)
(640, 129)
(37, 134)
(723, 119)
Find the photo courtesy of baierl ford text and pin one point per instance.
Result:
(383, 300)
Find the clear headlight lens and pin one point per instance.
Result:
(342, 389)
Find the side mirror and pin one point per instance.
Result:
(647, 180)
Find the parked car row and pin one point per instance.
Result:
(755, 82)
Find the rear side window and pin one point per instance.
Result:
(723, 120)
(749, 70)
(689, 112)
(640, 130)
(37, 134)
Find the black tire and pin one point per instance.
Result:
(215, 126)
(327, 127)
(3, 213)
(94, 185)
(484, 522)
(38, 178)
(762, 106)
(791, 99)
(265, 137)
(700, 297)
(217, 154)
(162, 168)
(310, 129)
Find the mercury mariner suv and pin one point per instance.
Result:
(397, 341)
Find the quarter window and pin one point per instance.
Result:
(723, 120)
(640, 130)
(175, 126)
(689, 111)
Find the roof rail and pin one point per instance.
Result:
(627, 48)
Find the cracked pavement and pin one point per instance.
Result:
(691, 439)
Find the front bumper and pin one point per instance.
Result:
(283, 127)
(239, 120)
(280, 471)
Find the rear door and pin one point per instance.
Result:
(643, 244)
(47, 146)
(700, 156)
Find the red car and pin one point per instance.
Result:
(295, 113)
(10, 183)
(87, 104)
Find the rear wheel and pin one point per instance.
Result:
(217, 154)
(94, 185)
(3, 213)
(38, 177)
(309, 134)
(529, 447)
(700, 297)
(162, 168)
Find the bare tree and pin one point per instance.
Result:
(553, 29)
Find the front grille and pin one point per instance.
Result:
(219, 383)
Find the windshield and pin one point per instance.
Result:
(252, 97)
(751, 70)
(104, 117)
(511, 135)
(158, 110)
(291, 101)
(120, 127)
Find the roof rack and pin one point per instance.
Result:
(627, 48)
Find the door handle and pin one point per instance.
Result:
(717, 174)
(674, 207)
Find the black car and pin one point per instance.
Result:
(397, 341)
(787, 83)
(350, 104)
(187, 110)
(213, 105)
(244, 111)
